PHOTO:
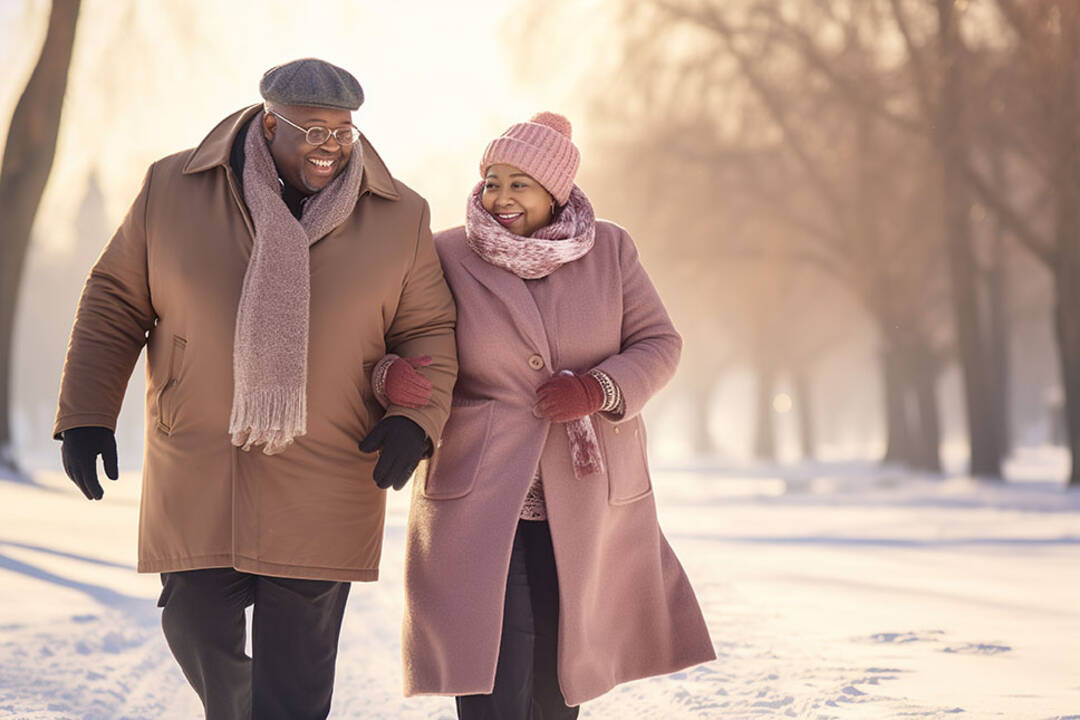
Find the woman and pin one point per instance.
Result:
(536, 573)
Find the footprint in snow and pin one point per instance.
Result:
(978, 649)
(906, 637)
(775, 704)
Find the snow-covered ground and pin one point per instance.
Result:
(831, 591)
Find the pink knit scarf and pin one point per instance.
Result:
(565, 239)
(271, 342)
(568, 237)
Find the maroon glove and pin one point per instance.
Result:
(404, 386)
(566, 396)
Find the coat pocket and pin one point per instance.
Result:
(627, 461)
(454, 466)
(166, 397)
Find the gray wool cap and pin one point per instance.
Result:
(311, 82)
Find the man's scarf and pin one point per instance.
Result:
(271, 342)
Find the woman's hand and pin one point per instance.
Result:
(566, 396)
(400, 383)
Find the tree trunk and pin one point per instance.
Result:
(1067, 268)
(1066, 308)
(702, 442)
(895, 382)
(979, 388)
(911, 406)
(1000, 324)
(924, 391)
(28, 159)
(764, 435)
(804, 404)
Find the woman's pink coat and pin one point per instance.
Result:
(626, 607)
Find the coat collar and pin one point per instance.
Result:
(214, 150)
(514, 294)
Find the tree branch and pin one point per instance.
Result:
(713, 22)
(919, 72)
(1010, 218)
(855, 95)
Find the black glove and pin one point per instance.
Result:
(401, 443)
(79, 454)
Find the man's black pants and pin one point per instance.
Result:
(526, 677)
(294, 637)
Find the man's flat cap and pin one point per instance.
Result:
(312, 82)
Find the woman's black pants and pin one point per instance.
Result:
(295, 626)
(526, 677)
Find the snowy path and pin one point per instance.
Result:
(829, 594)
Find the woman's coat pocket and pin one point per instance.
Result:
(626, 460)
(453, 468)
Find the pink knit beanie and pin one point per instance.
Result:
(540, 147)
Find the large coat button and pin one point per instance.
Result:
(536, 362)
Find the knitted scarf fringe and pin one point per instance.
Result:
(584, 448)
(271, 417)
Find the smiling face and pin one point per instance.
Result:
(305, 167)
(515, 200)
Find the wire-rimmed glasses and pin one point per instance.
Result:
(318, 135)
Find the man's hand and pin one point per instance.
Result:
(400, 443)
(566, 396)
(79, 454)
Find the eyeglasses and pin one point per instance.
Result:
(318, 135)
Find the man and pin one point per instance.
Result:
(266, 271)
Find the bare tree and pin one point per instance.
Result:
(841, 172)
(1034, 120)
(28, 158)
(944, 115)
(872, 137)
